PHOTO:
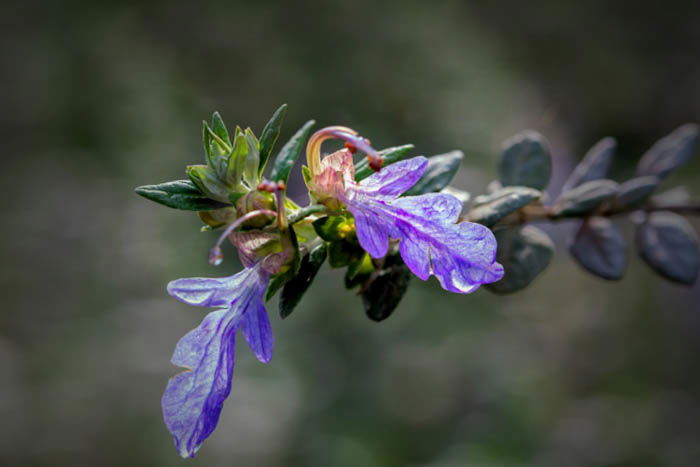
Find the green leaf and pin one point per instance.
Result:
(269, 135)
(179, 194)
(252, 160)
(328, 228)
(290, 152)
(237, 159)
(389, 155)
(670, 152)
(216, 149)
(492, 208)
(441, 170)
(668, 243)
(342, 253)
(525, 161)
(295, 288)
(359, 271)
(219, 128)
(599, 247)
(206, 179)
(382, 294)
(594, 165)
(584, 198)
(524, 253)
(635, 191)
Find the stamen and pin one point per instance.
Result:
(353, 142)
(216, 256)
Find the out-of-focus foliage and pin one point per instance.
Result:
(100, 97)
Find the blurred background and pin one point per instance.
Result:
(99, 97)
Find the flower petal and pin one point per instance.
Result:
(258, 333)
(193, 399)
(438, 207)
(396, 178)
(371, 234)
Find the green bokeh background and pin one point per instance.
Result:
(99, 97)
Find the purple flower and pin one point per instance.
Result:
(193, 399)
(462, 256)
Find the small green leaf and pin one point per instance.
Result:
(216, 149)
(584, 198)
(594, 165)
(276, 283)
(179, 194)
(252, 160)
(342, 253)
(328, 228)
(237, 160)
(359, 271)
(490, 209)
(295, 288)
(525, 161)
(389, 155)
(206, 179)
(670, 152)
(269, 135)
(635, 191)
(441, 170)
(599, 247)
(290, 152)
(524, 253)
(219, 128)
(668, 243)
(382, 294)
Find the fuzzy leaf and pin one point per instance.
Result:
(668, 243)
(584, 198)
(179, 194)
(635, 191)
(290, 152)
(594, 165)
(269, 135)
(390, 155)
(440, 172)
(670, 152)
(492, 208)
(525, 161)
(600, 248)
(297, 286)
(524, 252)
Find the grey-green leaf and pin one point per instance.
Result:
(670, 152)
(219, 128)
(179, 194)
(635, 191)
(382, 295)
(269, 135)
(668, 243)
(584, 198)
(599, 247)
(440, 172)
(297, 286)
(389, 155)
(524, 253)
(290, 152)
(525, 161)
(490, 209)
(594, 165)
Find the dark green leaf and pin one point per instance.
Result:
(670, 152)
(390, 155)
(342, 253)
(328, 227)
(635, 191)
(668, 243)
(441, 170)
(492, 208)
(525, 161)
(382, 294)
(600, 248)
(295, 288)
(269, 135)
(584, 198)
(358, 271)
(179, 194)
(290, 152)
(524, 252)
(594, 165)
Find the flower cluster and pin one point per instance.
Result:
(357, 221)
